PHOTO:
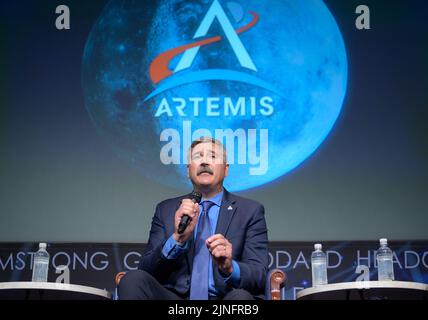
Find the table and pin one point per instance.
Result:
(366, 290)
(50, 291)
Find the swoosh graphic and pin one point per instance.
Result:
(159, 67)
(212, 74)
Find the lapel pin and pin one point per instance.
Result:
(229, 208)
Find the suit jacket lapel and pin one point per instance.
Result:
(227, 210)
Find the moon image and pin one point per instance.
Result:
(277, 83)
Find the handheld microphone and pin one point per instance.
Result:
(196, 197)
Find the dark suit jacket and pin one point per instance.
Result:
(243, 225)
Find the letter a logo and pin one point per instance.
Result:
(216, 11)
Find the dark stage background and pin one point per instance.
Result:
(63, 181)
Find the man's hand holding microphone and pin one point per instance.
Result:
(187, 215)
(186, 218)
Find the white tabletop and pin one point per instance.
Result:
(50, 291)
(361, 290)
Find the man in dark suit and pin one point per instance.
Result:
(222, 253)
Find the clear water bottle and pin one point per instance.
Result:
(319, 266)
(385, 266)
(41, 264)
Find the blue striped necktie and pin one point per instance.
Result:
(199, 283)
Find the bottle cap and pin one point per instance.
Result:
(42, 245)
(383, 241)
(318, 246)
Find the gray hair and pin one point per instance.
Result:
(208, 140)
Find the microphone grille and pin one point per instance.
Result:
(196, 196)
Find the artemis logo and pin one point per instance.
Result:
(257, 158)
(159, 69)
(267, 78)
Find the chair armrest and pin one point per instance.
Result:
(119, 276)
(276, 280)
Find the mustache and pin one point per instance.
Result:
(205, 170)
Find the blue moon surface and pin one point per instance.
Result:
(296, 46)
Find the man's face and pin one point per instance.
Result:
(206, 166)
